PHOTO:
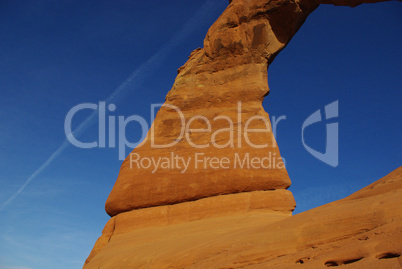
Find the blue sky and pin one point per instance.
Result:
(57, 54)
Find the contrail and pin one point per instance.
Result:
(38, 171)
(142, 72)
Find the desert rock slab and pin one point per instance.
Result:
(360, 231)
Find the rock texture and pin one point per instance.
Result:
(223, 84)
(218, 197)
(360, 231)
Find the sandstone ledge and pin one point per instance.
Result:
(360, 231)
(273, 205)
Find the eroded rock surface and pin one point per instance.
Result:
(200, 213)
(360, 231)
(219, 90)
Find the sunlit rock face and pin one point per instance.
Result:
(238, 231)
(220, 137)
(213, 120)
(210, 165)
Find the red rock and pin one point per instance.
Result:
(236, 217)
(231, 68)
(360, 231)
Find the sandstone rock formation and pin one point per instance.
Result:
(221, 177)
(360, 231)
(220, 91)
